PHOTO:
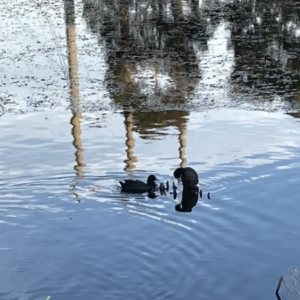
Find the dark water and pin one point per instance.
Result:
(78, 237)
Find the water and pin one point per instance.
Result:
(86, 102)
(76, 236)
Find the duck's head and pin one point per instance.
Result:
(177, 173)
(151, 179)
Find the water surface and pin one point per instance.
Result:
(76, 236)
(92, 93)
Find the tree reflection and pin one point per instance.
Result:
(152, 62)
(69, 8)
(266, 36)
(131, 158)
(151, 125)
(151, 54)
(154, 48)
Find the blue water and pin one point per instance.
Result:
(75, 236)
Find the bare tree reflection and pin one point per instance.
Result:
(150, 126)
(266, 40)
(154, 47)
(131, 158)
(151, 54)
(73, 82)
(152, 62)
(182, 143)
(152, 41)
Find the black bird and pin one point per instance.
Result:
(189, 199)
(188, 176)
(137, 186)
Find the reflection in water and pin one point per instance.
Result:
(163, 56)
(216, 64)
(76, 132)
(295, 115)
(149, 64)
(174, 187)
(189, 200)
(182, 147)
(152, 195)
(72, 50)
(252, 178)
(265, 37)
(159, 52)
(153, 125)
(150, 57)
(73, 83)
(131, 158)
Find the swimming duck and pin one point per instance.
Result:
(188, 176)
(137, 186)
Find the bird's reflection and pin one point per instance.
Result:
(152, 195)
(189, 200)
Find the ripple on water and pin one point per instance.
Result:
(130, 245)
(20, 197)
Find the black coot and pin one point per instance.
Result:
(188, 176)
(137, 186)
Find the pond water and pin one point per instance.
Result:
(68, 232)
(76, 236)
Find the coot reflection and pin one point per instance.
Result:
(189, 199)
